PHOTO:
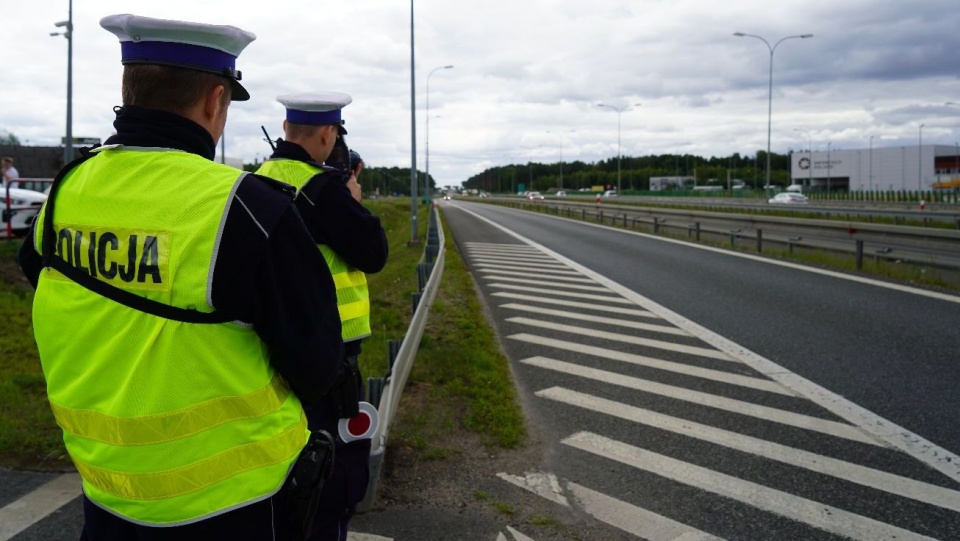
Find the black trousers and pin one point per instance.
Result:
(266, 520)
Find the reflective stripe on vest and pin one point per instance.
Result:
(167, 422)
(353, 297)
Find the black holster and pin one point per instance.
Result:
(345, 395)
(305, 481)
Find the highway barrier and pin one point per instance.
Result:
(384, 393)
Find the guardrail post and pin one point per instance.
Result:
(696, 227)
(733, 237)
(583, 214)
(656, 225)
(416, 301)
(791, 241)
(600, 216)
(624, 219)
(374, 391)
(759, 241)
(859, 254)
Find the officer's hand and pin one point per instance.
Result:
(354, 187)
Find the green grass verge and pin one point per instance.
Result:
(469, 384)
(29, 437)
(460, 380)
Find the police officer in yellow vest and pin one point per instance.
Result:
(353, 244)
(183, 315)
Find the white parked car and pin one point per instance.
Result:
(610, 193)
(788, 198)
(534, 195)
(24, 206)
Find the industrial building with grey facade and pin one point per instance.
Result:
(882, 169)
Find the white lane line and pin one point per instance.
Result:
(520, 263)
(855, 473)
(546, 263)
(596, 319)
(659, 364)
(816, 514)
(635, 520)
(33, 507)
(521, 256)
(918, 447)
(542, 484)
(508, 247)
(618, 337)
(527, 274)
(574, 304)
(540, 271)
(765, 413)
(604, 298)
(517, 536)
(548, 284)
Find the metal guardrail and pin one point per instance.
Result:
(384, 393)
(934, 247)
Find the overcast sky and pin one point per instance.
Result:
(524, 68)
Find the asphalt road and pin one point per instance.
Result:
(658, 424)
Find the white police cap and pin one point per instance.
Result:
(203, 47)
(317, 108)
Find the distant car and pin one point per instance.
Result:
(561, 193)
(484, 194)
(24, 207)
(610, 193)
(788, 198)
(446, 197)
(534, 195)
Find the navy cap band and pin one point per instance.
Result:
(319, 118)
(183, 54)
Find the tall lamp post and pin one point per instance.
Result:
(426, 182)
(618, 110)
(920, 159)
(809, 153)
(561, 152)
(414, 238)
(67, 25)
(871, 162)
(770, 90)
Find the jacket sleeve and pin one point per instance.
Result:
(31, 263)
(270, 273)
(336, 219)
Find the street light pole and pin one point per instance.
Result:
(561, 152)
(871, 162)
(414, 238)
(920, 159)
(809, 153)
(770, 89)
(828, 167)
(618, 110)
(426, 182)
(68, 33)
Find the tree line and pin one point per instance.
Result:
(635, 172)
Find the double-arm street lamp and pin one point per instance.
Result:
(426, 187)
(618, 110)
(920, 158)
(67, 26)
(560, 133)
(770, 89)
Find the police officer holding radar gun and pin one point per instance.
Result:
(313, 157)
(183, 314)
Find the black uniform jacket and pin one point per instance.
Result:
(276, 280)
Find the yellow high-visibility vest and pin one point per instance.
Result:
(167, 422)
